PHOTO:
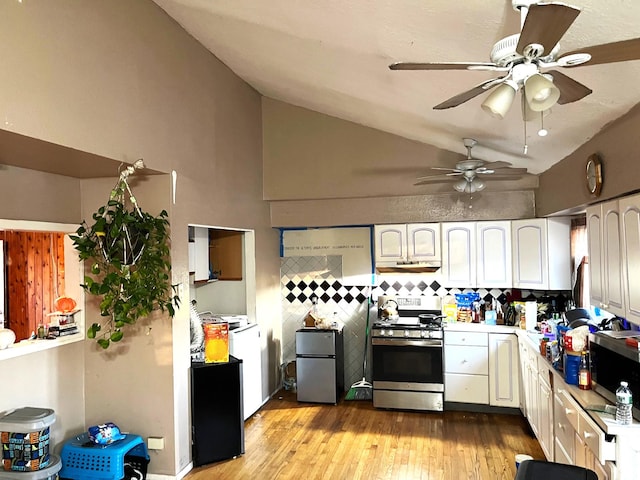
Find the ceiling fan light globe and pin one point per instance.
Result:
(477, 185)
(461, 185)
(497, 104)
(529, 115)
(540, 92)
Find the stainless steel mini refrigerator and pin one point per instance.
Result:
(319, 365)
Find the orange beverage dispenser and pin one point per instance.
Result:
(216, 342)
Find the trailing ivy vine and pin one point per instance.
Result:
(128, 253)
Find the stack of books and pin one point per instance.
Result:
(64, 324)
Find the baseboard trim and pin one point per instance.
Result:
(183, 473)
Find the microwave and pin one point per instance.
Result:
(613, 361)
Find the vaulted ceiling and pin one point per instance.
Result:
(333, 56)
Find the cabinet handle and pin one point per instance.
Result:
(587, 435)
(568, 411)
(560, 426)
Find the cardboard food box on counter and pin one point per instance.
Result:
(311, 319)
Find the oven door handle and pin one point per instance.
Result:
(400, 342)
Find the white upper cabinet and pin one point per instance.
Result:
(476, 254)
(541, 253)
(200, 251)
(629, 209)
(596, 250)
(493, 246)
(605, 257)
(459, 254)
(423, 242)
(414, 242)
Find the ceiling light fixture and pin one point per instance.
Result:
(540, 92)
(497, 104)
(469, 185)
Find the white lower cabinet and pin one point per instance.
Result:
(504, 384)
(564, 429)
(466, 373)
(545, 409)
(564, 433)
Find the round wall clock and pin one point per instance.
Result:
(594, 174)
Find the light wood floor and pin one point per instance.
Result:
(291, 440)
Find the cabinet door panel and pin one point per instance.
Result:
(390, 243)
(494, 254)
(530, 255)
(503, 370)
(630, 214)
(201, 250)
(596, 269)
(613, 286)
(423, 241)
(545, 416)
(459, 255)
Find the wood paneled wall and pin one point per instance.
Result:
(34, 277)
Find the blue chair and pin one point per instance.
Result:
(541, 470)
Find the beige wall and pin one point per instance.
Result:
(321, 170)
(121, 80)
(563, 186)
(34, 379)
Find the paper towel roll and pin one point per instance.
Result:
(530, 315)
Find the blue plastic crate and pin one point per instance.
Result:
(84, 460)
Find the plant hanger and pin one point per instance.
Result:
(127, 255)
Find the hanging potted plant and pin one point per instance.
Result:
(127, 250)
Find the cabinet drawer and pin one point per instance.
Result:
(571, 408)
(470, 359)
(564, 431)
(466, 338)
(594, 437)
(466, 388)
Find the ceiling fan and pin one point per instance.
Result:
(525, 58)
(469, 175)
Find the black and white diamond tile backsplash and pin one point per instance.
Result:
(305, 277)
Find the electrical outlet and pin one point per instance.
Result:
(155, 443)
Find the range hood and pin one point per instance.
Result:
(408, 267)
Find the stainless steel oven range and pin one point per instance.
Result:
(407, 354)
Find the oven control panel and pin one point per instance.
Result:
(400, 333)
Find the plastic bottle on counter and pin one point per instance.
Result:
(624, 404)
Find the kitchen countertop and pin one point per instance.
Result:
(585, 398)
(478, 327)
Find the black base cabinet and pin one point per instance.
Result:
(217, 419)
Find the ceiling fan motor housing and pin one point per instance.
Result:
(504, 52)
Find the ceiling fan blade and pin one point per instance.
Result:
(469, 94)
(609, 52)
(570, 89)
(510, 171)
(545, 24)
(494, 165)
(446, 169)
(428, 180)
(501, 177)
(446, 66)
(442, 176)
